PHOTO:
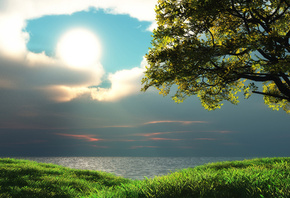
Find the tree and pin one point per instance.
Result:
(217, 48)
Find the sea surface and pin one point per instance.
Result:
(132, 167)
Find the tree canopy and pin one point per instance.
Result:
(216, 49)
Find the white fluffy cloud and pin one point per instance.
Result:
(123, 83)
(140, 9)
(50, 76)
(14, 13)
(12, 39)
(29, 9)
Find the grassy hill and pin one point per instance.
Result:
(262, 177)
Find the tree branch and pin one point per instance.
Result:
(272, 15)
(256, 77)
(239, 15)
(273, 95)
(267, 56)
(286, 78)
(241, 53)
(279, 16)
(257, 21)
(212, 37)
(259, 15)
(282, 87)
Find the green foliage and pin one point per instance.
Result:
(209, 48)
(22, 178)
(250, 178)
(265, 177)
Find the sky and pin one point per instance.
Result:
(91, 105)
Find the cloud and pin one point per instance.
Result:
(143, 10)
(152, 26)
(123, 83)
(152, 134)
(89, 138)
(61, 93)
(47, 77)
(159, 133)
(14, 13)
(174, 121)
(12, 39)
(50, 77)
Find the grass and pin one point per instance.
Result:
(263, 177)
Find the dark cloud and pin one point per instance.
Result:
(21, 75)
(225, 133)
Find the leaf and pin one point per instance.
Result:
(208, 48)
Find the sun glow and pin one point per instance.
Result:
(79, 48)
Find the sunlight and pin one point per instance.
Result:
(79, 48)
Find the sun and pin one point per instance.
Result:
(79, 48)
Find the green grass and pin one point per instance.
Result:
(264, 177)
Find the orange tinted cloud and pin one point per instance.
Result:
(120, 140)
(88, 138)
(174, 121)
(152, 134)
(159, 133)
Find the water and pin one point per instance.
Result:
(132, 167)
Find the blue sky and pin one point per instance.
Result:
(52, 109)
(124, 40)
